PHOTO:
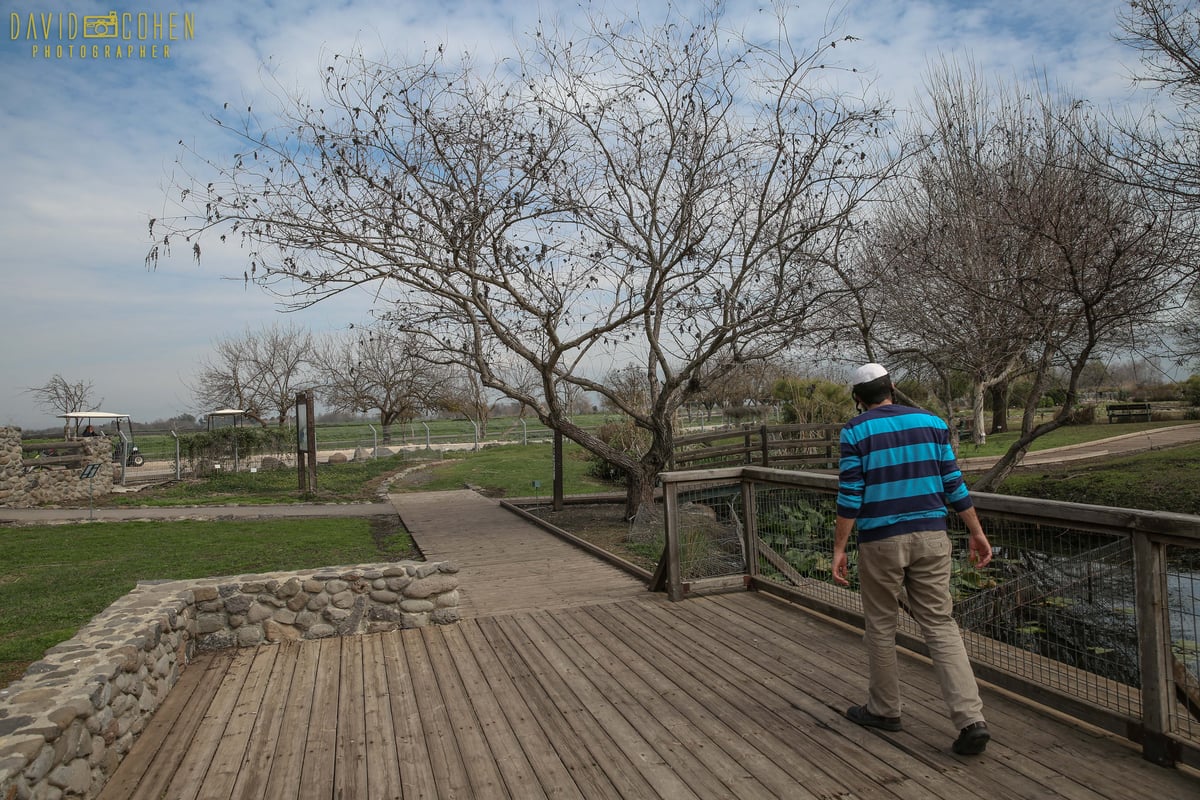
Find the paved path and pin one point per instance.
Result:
(39, 516)
(1125, 444)
(506, 563)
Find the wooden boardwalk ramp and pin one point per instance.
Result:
(726, 696)
(506, 563)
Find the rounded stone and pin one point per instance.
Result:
(319, 631)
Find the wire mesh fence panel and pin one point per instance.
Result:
(794, 543)
(1183, 621)
(710, 532)
(1056, 606)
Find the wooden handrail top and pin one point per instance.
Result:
(47, 461)
(29, 447)
(1161, 525)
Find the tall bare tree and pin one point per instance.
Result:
(1164, 146)
(666, 195)
(61, 396)
(377, 370)
(258, 371)
(1161, 148)
(1009, 252)
(946, 247)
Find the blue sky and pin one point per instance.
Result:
(90, 143)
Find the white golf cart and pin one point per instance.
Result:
(85, 422)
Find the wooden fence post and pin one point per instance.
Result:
(671, 514)
(1154, 654)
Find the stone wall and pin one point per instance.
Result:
(53, 484)
(66, 725)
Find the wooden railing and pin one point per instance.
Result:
(1158, 707)
(46, 454)
(812, 446)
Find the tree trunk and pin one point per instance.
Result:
(644, 475)
(640, 489)
(1000, 408)
(1011, 459)
(978, 434)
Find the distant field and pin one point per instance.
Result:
(160, 445)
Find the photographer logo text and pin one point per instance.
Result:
(115, 35)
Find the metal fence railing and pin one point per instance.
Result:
(1093, 610)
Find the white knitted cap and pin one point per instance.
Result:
(867, 373)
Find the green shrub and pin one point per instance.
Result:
(624, 436)
(812, 400)
(1083, 415)
(250, 441)
(1191, 390)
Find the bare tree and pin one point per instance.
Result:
(1163, 148)
(733, 386)
(377, 370)
(61, 396)
(467, 395)
(258, 372)
(946, 248)
(1187, 329)
(630, 384)
(1011, 253)
(671, 196)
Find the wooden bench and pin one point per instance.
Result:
(1129, 412)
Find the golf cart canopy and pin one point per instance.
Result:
(99, 416)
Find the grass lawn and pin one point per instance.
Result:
(349, 482)
(997, 444)
(1160, 480)
(57, 577)
(509, 471)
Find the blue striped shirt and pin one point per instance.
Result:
(898, 473)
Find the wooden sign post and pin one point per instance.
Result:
(306, 443)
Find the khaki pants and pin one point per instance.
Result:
(918, 564)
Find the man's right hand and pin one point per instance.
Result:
(841, 568)
(980, 549)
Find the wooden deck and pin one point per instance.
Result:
(732, 696)
(569, 680)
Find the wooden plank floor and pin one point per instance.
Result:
(506, 563)
(728, 696)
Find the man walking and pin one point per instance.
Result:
(898, 474)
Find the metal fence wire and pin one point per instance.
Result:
(1055, 607)
(712, 539)
(1183, 619)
